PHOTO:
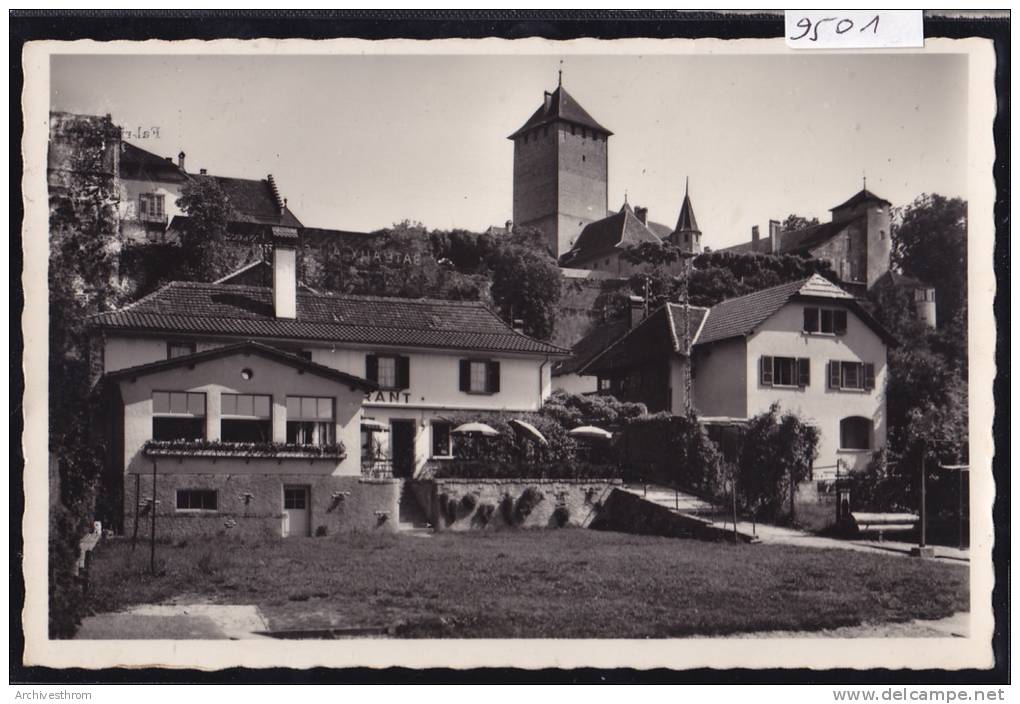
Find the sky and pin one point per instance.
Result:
(362, 142)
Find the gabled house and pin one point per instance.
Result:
(856, 242)
(150, 186)
(808, 345)
(308, 404)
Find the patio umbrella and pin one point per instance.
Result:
(590, 431)
(372, 424)
(530, 430)
(475, 429)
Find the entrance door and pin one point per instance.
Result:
(296, 511)
(402, 434)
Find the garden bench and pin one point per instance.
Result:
(883, 522)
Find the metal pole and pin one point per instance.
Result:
(733, 491)
(138, 499)
(960, 508)
(152, 539)
(924, 507)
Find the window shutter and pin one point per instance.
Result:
(833, 374)
(804, 372)
(839, 322)
(465, 375)
(765, 370)
(403, 373)
(372, 367)
(492, 378)
(869, 376)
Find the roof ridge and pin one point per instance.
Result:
(764, 290)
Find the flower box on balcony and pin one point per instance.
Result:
(243, 450)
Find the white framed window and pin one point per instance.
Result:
(197, 500)
(246, 418)
(479, 376)
(389, 371)
(310, 420)
(150, 206)
(851, 376)
(178, 415)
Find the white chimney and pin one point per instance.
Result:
(775, 235)
(285, 281)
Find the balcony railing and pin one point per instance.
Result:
(377, 469)
(244, 450)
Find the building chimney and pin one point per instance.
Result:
(202, 172)
(642, 214)
(518, 325)
(548, 99)
(924, 305)
(284, 281)
(637, 310)
(180, 161)
(509, 226)
(755, 237)
(774, 237)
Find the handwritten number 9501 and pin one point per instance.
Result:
(843, 26)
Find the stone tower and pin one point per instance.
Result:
(686, 235)
(877, 242)
(561, 164)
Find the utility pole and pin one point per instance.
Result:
(152, 539)
(686, 258)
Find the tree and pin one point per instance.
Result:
(776, 454)
(205, 252)
(797, 222)
(929, 242)
(526, 286)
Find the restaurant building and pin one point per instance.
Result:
(295, 412)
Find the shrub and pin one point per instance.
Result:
(776, 453)
(483, 516)
(675, 449)
(529, 499)
(561, 516)
(506, 509)
(602, 410)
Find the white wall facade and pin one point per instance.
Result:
(782, 336)
(130, 189)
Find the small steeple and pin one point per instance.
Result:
(559, 83)
(687, 235)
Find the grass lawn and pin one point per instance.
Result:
(569, 583)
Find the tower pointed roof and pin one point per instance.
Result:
(687, 222)
(862, 196)
(560, 106)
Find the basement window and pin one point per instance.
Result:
(196, 500)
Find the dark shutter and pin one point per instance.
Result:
(804, 372)
(403, 373)
(465, 375)
(810, 320)
(839, 322)
(492, 378)
(869, 376)
(834, 375)
(372, 367)
(765, 371)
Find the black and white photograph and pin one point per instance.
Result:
(501, 353)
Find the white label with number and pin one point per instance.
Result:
(854, 29)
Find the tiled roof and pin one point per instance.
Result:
(247, 311)
(740, 316)
(659, 230)
(808, 238)
(623, 229)
(256, 201)
(137, 164)
(246, 347)
(862, 196)
(764, 247)
(560, 106)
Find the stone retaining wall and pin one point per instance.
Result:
(487, 504)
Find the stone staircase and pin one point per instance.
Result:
(713, 518)
(412, 519)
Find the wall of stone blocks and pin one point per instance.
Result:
(493, 503)
(251, 505)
